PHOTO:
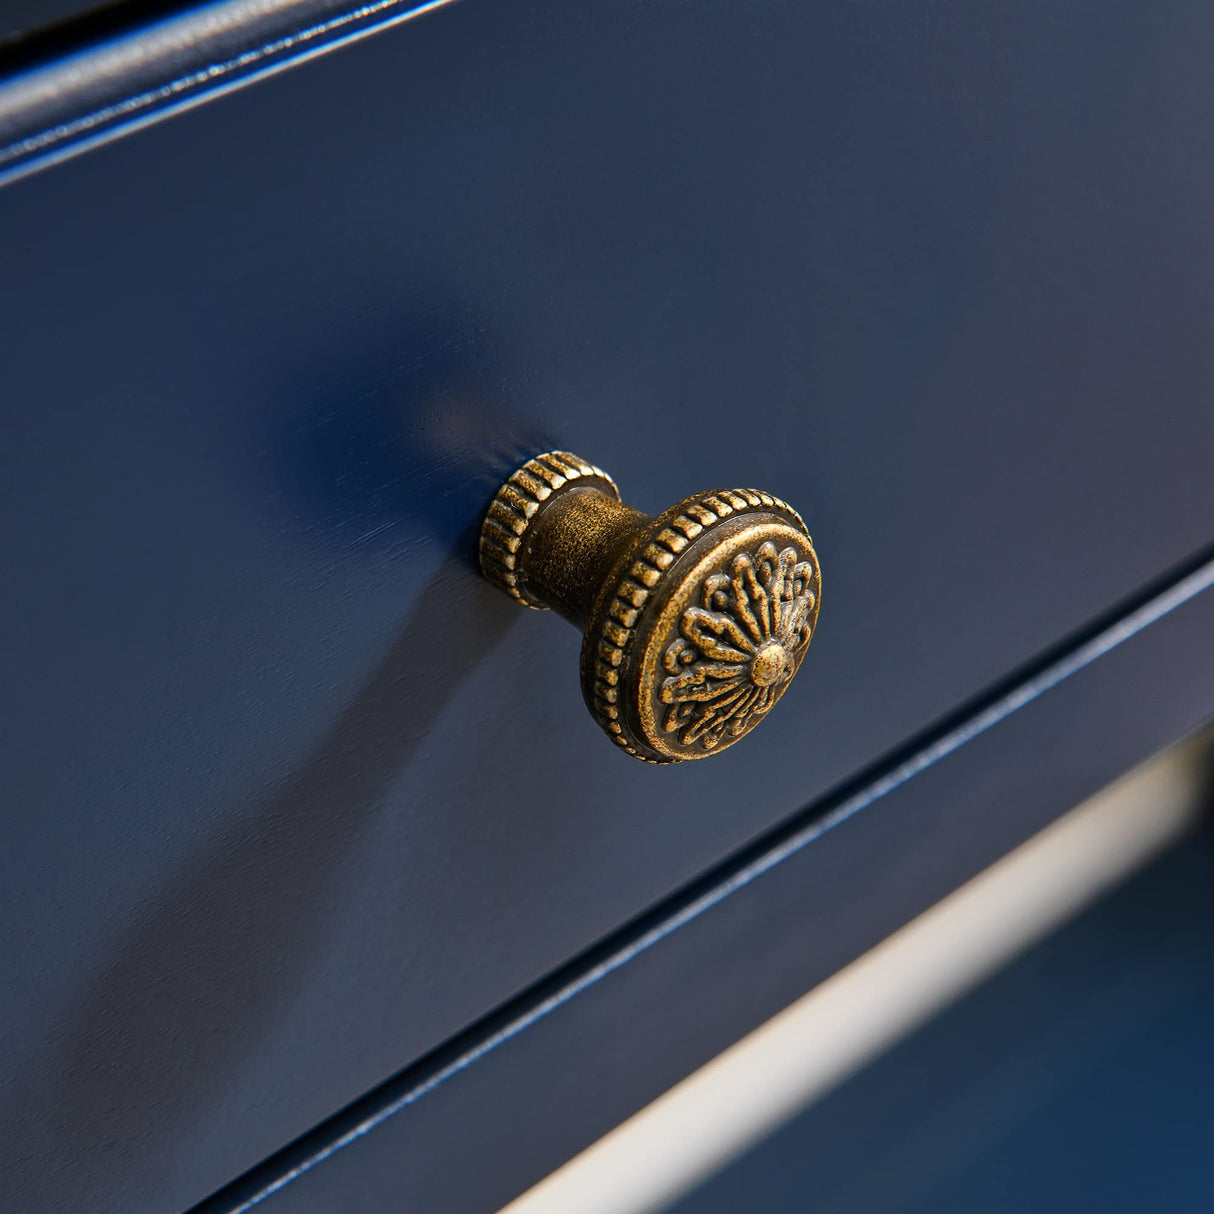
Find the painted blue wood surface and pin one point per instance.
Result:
(531, 1085)
(940, 277)
(1078, 1079)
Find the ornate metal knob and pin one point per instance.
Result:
(695, 621)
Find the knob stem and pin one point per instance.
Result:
(571, 546)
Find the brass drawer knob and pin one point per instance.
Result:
(695, 621)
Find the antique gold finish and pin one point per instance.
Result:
(694, 621)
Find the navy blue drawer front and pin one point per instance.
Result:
(941, 278)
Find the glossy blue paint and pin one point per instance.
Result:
(1077, 1079)
(270, 744)
(543, 1078)
(70, 88)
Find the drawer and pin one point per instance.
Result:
(294, 795)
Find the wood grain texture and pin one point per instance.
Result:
(552, 1072)
(266, 362)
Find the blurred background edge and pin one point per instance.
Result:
(806, 1051)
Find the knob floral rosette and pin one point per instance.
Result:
(739, 647)
(695, 621)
